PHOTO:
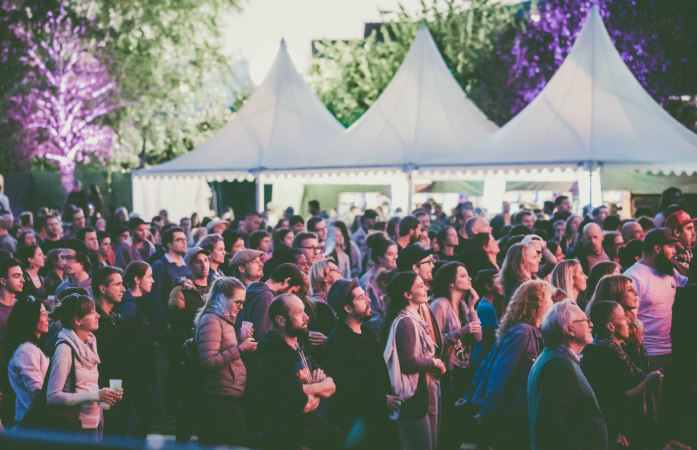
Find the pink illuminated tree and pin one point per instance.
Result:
(68, 91)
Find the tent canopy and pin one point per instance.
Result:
(423, 113)
(283, 125)
(592, 112)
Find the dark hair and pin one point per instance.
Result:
(484, 277)
(83, 231)
(73, 306)
(407, 224)
(645, 222)
(300, 237)
(558, 200)
(598, 271)
(395, 300)
(101, 277)
(231, 236)
(552, 247)
(101, 235)
(288, 270)
(600, 315)
(168, 236)
(629, 253)
(611, 223)
(24, 254)
(21, 325)
(378, 245)
(444, 277)
(295, 220)
(668, 197)
(312, 222)
(442, 235)
(278, 236)
(256, 238)
(134, 269)
(280, 256)
(392, 224)
(6, 264)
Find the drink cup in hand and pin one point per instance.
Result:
(245, 329)
(116, 385)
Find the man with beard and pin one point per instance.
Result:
(246, 265)
(50, 232)
(409, 232)
(656, 280)
(293, 383)
(138, 248)
(354, 359)
(683, 228)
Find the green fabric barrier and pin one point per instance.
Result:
(328, 194)
(645, 183)
(469, 187)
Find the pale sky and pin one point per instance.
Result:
(254, 34)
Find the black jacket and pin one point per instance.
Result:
(140, 336)
(114, 351)
(356, 364)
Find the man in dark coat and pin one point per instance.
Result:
(563, 410)
(353, 358)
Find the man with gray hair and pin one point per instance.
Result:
(562, 407)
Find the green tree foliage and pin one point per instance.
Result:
(349, 76)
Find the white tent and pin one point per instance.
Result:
(282, 125)
(423, 113)
(592, 112)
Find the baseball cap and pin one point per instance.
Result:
(192, 252)
(411, 255)
(244, 256)
(678, 219)
(659, 236)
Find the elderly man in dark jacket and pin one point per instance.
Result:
(564, 412)
(352, 357)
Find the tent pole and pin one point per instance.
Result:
(259, 193)
(410, 193)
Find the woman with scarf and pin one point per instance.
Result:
(618, 383)
(410, 354)
(74, 375)
(222, 419)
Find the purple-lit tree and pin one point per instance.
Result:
(654, 39)
(67, 91)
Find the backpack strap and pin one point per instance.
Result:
(73, 379)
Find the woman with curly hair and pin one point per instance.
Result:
(620, 288)
(499, 387)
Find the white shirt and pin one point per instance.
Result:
(656, 298)
(27, 369)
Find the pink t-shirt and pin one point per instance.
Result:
(656, 298)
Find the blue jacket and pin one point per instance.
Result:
(564, 413)
(500, 383)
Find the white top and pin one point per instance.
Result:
(656, 297)
(26, 369)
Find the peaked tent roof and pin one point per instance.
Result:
(282, 125)
(422, 113)
(592, 110)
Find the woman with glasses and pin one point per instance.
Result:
(499, 388)
(74, 376)
(222, 420)
(28, 364)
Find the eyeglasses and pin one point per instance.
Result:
(68, 257)
(428, 261)
(584, 320)
(317, 249)
(239, 303)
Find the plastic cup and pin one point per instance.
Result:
(116, 385)
(244, 329)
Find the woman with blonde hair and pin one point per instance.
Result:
(224, 374)
(521, 264)
(568, 275)
(499, 387)
(620, 288)
(323, 274)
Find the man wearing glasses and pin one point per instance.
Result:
(562, 407)
(308, 244)
(76, 266)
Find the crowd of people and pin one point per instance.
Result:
(539, 329)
